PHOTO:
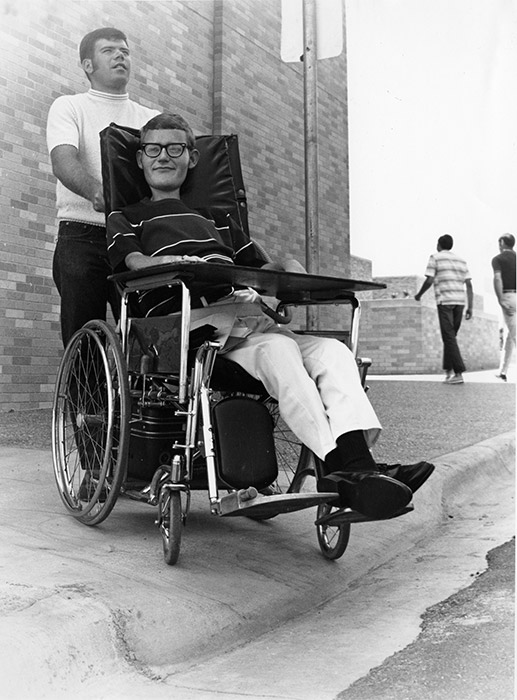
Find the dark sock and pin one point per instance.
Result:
(332, 462)
(354, 454)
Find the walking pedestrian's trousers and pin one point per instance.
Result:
(510, 317)
(450, 317)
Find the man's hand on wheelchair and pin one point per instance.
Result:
(139, 261)
(98, 200)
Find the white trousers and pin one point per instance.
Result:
(316, 383)
(509, 318)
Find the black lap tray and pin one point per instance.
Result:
(288, 287)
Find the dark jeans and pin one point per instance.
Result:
(450, 321)
(80, 269)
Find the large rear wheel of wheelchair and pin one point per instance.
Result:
(171, 523)
(298, 470)
(90, 423)
(297, 465)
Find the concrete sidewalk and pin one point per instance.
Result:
(94, 612)
(487, 376)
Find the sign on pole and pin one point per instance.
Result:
(311, 30)
(329, 31)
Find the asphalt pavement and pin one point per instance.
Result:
(422, 418)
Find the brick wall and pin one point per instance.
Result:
(216, 62)
(261, 99)
(402, 336)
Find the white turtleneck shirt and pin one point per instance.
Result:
(77, 120)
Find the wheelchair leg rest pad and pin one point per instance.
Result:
(267, 506)
(244, 443)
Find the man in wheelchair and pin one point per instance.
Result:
(315, 380)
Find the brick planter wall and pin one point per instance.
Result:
(402, 336)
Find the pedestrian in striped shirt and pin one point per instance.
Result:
(449, 275)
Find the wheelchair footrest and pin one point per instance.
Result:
(346, 515)
(136, 490)
(137, 494)
(260, 506)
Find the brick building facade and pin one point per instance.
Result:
(218, 63)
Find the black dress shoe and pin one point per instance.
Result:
(413, 475)
(374, 495)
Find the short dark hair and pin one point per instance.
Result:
(508, 239)
(87, 45)
(446, 241)
(166, 120)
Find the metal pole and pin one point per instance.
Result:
(310, 84)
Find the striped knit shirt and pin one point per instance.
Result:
(169, 227)
(450, 273)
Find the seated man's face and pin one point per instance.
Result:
(165, 173)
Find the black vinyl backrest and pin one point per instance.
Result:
(215, 187)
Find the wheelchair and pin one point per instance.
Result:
(149, 410)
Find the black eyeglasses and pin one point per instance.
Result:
(173, 150)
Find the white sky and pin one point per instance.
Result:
(432, 131)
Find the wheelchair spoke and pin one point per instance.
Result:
(296, 464)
